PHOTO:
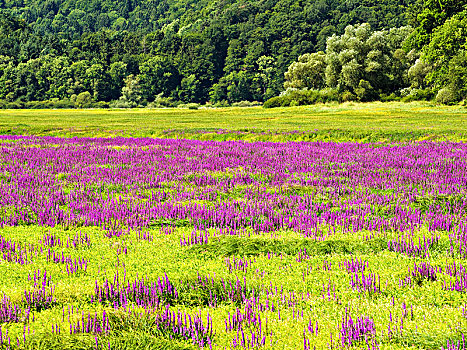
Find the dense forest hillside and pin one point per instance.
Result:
(134, 52)
(78, 17)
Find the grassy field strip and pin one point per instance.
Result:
(382, 118)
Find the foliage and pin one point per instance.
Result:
(457, 74)
(83, 100)
(294, 97)
(131, 92)
(446, 96)
(413, 94)
(428, 15)
(360, 64)
(440, 34)
(366, 59)
(307, 72)
(418, 72)
(446, 51)
(224, 52)
(192, 51)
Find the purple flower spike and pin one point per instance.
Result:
(354, 331)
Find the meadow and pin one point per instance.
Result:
(359, 122)
(213, 236)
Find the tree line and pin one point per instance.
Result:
(126, 53)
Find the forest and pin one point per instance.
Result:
(163, 53)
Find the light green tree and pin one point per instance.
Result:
(264, 77)
(131, 92)
(418, 72)
(307, 72)
(83, 100)
(372, 58)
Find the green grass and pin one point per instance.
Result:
(436, 313)
(346, 122)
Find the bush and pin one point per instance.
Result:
(15, 105)
(411, 94)
(47, 104)
(446, 96)
(120, 104)
(221, 104)
(38, 104)
(347, 96)
(365, 91)
(389, 98)
(100, 104)
(329, 95)
(64, 104)
(246, 104)
(162, 102)
(189, 105)
(83, 100)
(457, 76)
(294, 97)
(274, 102)
(425, 94)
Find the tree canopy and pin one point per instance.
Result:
(223, 51)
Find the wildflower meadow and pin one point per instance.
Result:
(148, 243)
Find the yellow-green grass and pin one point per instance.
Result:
(341, 122)
(437, 314)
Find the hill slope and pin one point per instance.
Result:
(70, 16)
(188, 50)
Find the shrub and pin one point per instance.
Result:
(365, 91)
(14, 105)
(246, 104)
(83, 100)
(64, 104)
(162, 102)
(389, 98)
(411, 94)
(100, 104)
(222, 103)
(457, 76)
(48, 104)
(329, 95)
(274, 102)
(189, 105)
(347, 96)
(120, 104)
(446, 96)
(294, 97)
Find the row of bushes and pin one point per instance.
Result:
(291, 97)
(69, 104)
(50, 104)
(295, 97)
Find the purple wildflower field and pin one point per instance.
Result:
(140, 243)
